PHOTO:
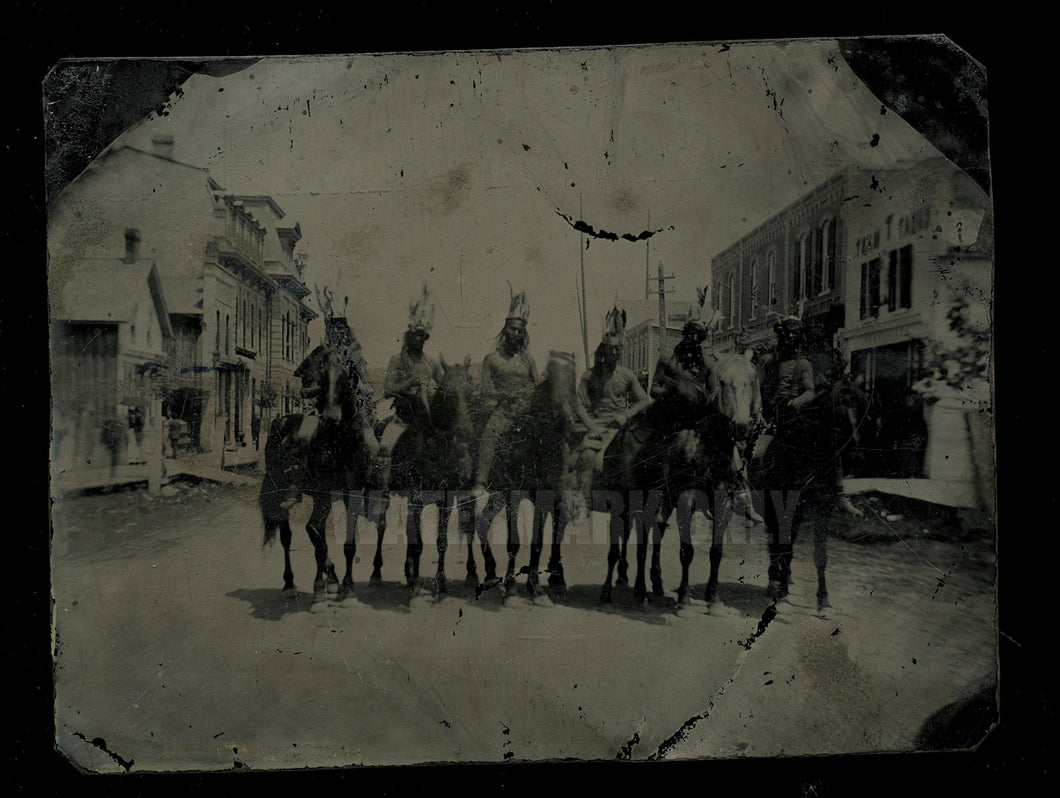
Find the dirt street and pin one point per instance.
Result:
(177, 650)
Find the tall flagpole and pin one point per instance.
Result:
(647, 267)
(584, 314)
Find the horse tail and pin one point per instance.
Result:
(274, 486)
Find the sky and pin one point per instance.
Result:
(468, 169)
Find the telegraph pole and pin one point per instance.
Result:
(662, 291)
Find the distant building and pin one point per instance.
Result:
(227, 276)
(875, 265)
(641, 350)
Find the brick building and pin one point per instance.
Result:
(875, 265)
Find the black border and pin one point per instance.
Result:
(1009, 41)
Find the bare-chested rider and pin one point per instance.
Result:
(610, 392)
(509, 374)
(410, 376)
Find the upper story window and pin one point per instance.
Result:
(900, 278)
(771, 278)
(815, 277)
(733, 304)
(802, 263)
(754, 288)
(870, 289)
(829, 254)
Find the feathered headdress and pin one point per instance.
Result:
(421, 312)
(519, 308)
(697, 326)
(615, 326)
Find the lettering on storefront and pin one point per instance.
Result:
(867, 243)
(913, 223)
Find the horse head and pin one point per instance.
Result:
(735, 396)
(449, 403)
(317, 375)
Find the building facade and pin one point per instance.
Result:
(878, 267)
(229, 280)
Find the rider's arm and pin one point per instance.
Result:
(534, 377)
(804, 375)
(640, 397)
(398, 381)
(487, 379)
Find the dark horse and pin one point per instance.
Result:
(431, 463)
(799, 474)
(682, 447)
(532, 463)
(336, 460)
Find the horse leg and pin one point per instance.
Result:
(820, 560)
(537, 544)
(618, 529)
(623, 560)
(640, 590)
(442, 543)
(349, 546)
(656, 559)
(465, 525)
(377, 562)
(821, 531)
(483, 522)
(711, 593)
(316, 528)
(780, 550)
(513, 543)
(285, 541)
(415, 543)
(612, 558)
(560, 518)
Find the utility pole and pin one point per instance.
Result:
(662, 291)
(582, 308)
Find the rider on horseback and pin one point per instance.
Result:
(509, 374)
(609, 391)
(335, 384)
(409, 376)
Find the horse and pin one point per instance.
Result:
(432, 462)
(685, 444)
(532, 462)
(801, 469)
(338, 458)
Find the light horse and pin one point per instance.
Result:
(432, 463)
(684, 446)
(337, 460)
(532, 462)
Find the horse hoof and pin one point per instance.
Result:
(823, 603)
(605, 595)
(622, 581)
(375, 580)
(776, 590)
(640, 595)
(471, 580)
(657, 588)
(440, 583)
(682, 598)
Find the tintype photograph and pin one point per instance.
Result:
(486, 406)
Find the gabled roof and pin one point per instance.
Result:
(108, 290)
